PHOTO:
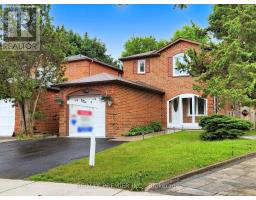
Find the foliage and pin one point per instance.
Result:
(30, 137)
(59, 100)
(221, 127)
(91, 47)
(192, 32)
(227, 68)
(135, 165)
(149, 128)
(39, 115)
(24, 76)
(180, 6)
(136, 45)
(106, 98)
(156, 126)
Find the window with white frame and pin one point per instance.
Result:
(141, 66)
(178, 58)
(200, 106)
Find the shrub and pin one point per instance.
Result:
(156, 126)
(149, 128)
(221, 127)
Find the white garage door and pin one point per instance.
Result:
(86, 115)
(7, 118)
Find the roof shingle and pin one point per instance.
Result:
(157, 52)
(107, 78)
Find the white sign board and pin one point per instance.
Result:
(81, 121)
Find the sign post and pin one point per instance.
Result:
(92, 150)
(82, 122)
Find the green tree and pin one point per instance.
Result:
(137, 45)
(192, 32)
(91, 47)
(227, 68)
(180, 6)
(24, 76)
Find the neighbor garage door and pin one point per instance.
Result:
(7, 118)
(79, 114)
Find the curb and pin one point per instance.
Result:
(165, 183)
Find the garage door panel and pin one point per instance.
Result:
(97, 107)
(7, 118)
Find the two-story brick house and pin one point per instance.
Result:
(181, 104)
(148, 88)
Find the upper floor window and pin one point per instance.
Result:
(178, 58)
(141, 66)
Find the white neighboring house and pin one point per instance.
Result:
(7, 118)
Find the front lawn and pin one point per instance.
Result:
(135, 165)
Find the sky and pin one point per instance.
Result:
(115, 24)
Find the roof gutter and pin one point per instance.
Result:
(139, 57)
(64, 85)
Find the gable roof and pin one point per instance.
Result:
(108, 78)
(157, 52)
(80, 57)
(140, 55)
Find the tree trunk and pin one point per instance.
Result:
(25, 115)
(22, 118)
(34, 109)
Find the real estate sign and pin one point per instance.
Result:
(81, 124)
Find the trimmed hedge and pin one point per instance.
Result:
(219, 127)
(149, 128)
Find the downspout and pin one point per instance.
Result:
(215, 105)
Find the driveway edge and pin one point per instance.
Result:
(164, 183)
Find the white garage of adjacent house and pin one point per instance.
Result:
(7, 118)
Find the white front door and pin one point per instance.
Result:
(176, 114)
(7, 118)
(88, 110)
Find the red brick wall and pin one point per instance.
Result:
(50, 110)
(130, 107)
(17, 127)
(83, 68)
(159, 75)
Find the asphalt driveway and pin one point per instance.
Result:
(20, 159)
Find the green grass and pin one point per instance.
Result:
(135, 165)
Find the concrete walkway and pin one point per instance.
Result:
(6, 139)
(237, 179)
(9, 187)
(250, 137)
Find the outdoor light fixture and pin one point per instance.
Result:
(110, 102)
(107, 99)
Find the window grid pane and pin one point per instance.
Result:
(201, 106)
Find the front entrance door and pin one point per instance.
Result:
(175, 111)
(184, 111)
